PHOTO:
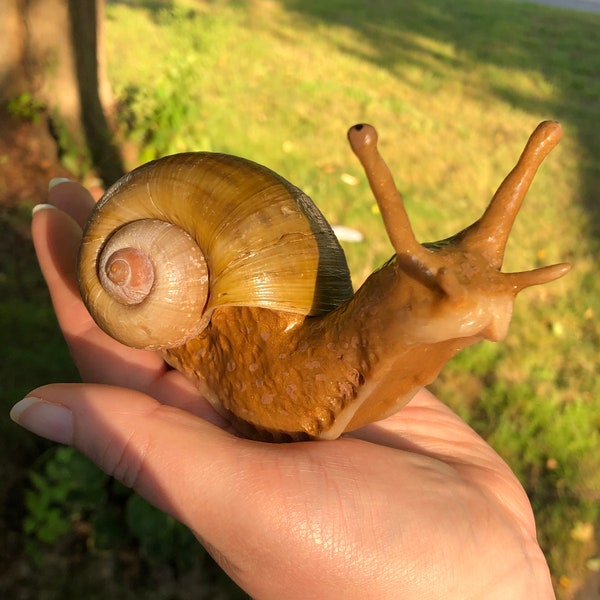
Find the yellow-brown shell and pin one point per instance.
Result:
(264, 242)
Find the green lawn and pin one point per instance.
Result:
(454, 89)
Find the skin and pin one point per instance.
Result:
(415, 507)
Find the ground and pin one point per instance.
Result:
(28, 160)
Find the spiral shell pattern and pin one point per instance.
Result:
(238, 235)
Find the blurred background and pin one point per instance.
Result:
(90, 89)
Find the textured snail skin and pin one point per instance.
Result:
(329, 361)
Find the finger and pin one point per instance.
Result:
(99, 358)
(56, 237)
(72, 198)
(142, 443)
(182, 464)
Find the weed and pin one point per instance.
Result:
(69, 493)
(26, 107)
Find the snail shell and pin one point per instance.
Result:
(206, 230)
(235, 276)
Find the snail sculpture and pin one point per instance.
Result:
(235, 277)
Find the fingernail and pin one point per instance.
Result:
(56, 180)
(51, 421)
(41, 207)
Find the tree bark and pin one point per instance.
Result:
(86, 17)
(49, 49)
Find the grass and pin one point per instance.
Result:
(454, 89)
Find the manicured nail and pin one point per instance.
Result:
(40, 207)
(51, 421)
(56, 180)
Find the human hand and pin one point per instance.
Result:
(416, 506)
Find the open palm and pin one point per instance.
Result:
(416, 506)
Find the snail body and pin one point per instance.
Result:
(234, 275)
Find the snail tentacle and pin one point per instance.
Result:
(490, 234)
(363, 141)
(524, 279)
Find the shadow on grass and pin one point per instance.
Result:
(560, 46)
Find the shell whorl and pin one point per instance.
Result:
(259, 239)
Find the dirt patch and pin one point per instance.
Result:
(29, 158)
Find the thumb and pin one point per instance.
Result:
(183, 465)
(259, 510)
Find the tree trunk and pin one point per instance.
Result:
(49, 55)
(87, 18)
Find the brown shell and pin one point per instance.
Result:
(264, 241)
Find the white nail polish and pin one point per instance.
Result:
(52, 421)
(56, 180)
(21, 406)
(40, 207)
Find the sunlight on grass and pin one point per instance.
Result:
(454, 90)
